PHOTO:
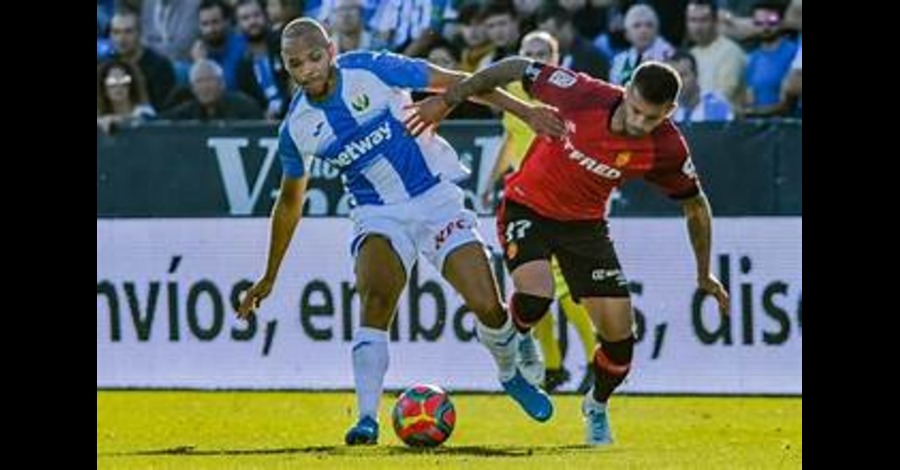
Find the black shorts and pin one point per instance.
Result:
(583, 249)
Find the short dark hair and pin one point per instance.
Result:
(558, 14)
(220, 4)
(712, 4)
(657, 82)
(684, 54)
(443, 43)
(470, 13)
(499, 7)
(125, 12)
(772, 5)
(241, 3)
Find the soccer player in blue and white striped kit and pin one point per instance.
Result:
(349, 112)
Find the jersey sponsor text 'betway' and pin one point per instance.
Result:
(355, 150)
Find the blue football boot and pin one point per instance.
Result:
(533, 400)
(365, 432)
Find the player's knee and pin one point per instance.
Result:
(528, 309)
(614, 357)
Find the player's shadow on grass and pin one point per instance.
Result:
(191, 451)
(486, 451)
(478, 451)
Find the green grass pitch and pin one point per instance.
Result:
(298, 430)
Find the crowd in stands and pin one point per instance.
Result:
(220, 59)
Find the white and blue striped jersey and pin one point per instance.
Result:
(358, 129)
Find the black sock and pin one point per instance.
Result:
(612, 362)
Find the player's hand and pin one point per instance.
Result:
(254, 296)
(545, 120)
(713, 287)
(425, 113)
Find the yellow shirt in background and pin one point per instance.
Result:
(720, 67)
(520, 134)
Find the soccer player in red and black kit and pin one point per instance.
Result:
(556, 204)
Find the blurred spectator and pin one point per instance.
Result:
(105, 48)
(218, 41)
(317, 9)
(768, 65)
(156, 69)
(502, 28)
(576, 52)
(736, 7)
(104, 45)
(792, 89)
(443, 16)
(409, 26)
(672, 15)
(444, 54)
(105, 10)
(695, 105)
(642, 31)
(210, 100)
(612, 41)
(325, 9)
(720, 61)
(348, 30)
(526, 13)
(793, 16)
(261, 73)
(447, 55)
(734, 19)
(170, 27)
(587, 18)
(477, 50)
(121, 95)
(281, 12)
(130, 5)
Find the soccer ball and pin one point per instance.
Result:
(424, 416)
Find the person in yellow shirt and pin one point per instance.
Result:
(548, 370)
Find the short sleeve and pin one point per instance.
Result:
(292, 162)
(393, 69)
(566, 89)
(673, 171)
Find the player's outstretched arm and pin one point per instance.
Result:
(285, 216)
(428, 112)
(699, 222)
(495, 75)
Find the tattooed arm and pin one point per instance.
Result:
(497, 74)
(482, 87)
